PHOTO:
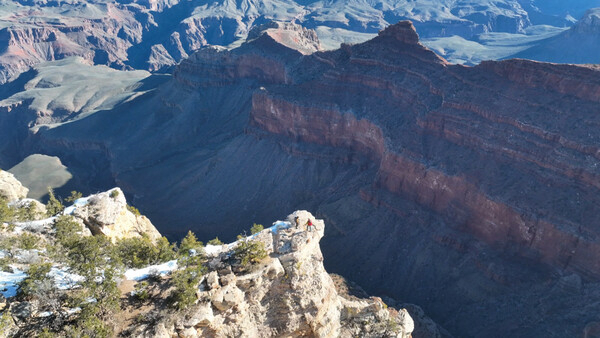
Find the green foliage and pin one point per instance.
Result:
(54, 206)
(137, 252)
(46, 333)
(185, 280)
(166, 250)
(27, 241)
(215, 241)
(37, 276)
(133, 210)
(88, 326)
(141, 251)
(185, 283)
(95, 317)
(249, 252)
(75, 195)
(66, 230)
(26, 213)
(256, 228)
(6, 212)
(89, 255)
(141, 291)
(6, 323)
(114, 193)
(5, 264)
(190, 246)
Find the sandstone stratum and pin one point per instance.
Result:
(471, 191)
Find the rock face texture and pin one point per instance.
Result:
(580, 44)
(107, 213)
(10, 187)
(288, 294)
(156, 35)
(484, 179)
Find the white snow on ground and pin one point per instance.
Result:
(9, 282)
(212, 250)
(280, 225)
(68, 311)
(63, 279)
(34, 226)
(38, 225)
(80, 202)
(143, 273)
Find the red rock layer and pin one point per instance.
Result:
(450, 138)
(488, 220)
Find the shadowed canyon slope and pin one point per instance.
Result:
(471, 191)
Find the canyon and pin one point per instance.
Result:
(470, 191)
(157, 35)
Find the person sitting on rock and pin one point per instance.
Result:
(297, 221)
(310, 225)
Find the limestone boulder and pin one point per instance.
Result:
(10, 187)
(108, 213)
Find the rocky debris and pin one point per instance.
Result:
(289, 293)
(21, 310)
(107, 213)
(10, 187)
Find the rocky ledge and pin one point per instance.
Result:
(288, 294)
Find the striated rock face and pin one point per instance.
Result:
(107, 213)
(10, 187)
(288, 294)
(483, 179)
(290, 35)
(580, 44)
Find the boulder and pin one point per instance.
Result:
(108, 213)
(10, 187)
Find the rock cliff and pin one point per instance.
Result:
(484, 179)
(288, 294)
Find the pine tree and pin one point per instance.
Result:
(54, 206)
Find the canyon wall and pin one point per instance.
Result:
(477, 185)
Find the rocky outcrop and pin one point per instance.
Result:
(289, 293)
(10, 187)
(289, 34)
(107, 213)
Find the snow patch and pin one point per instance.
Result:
(79, 203)
(9, 282)
(63, 279)
(144, 273)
